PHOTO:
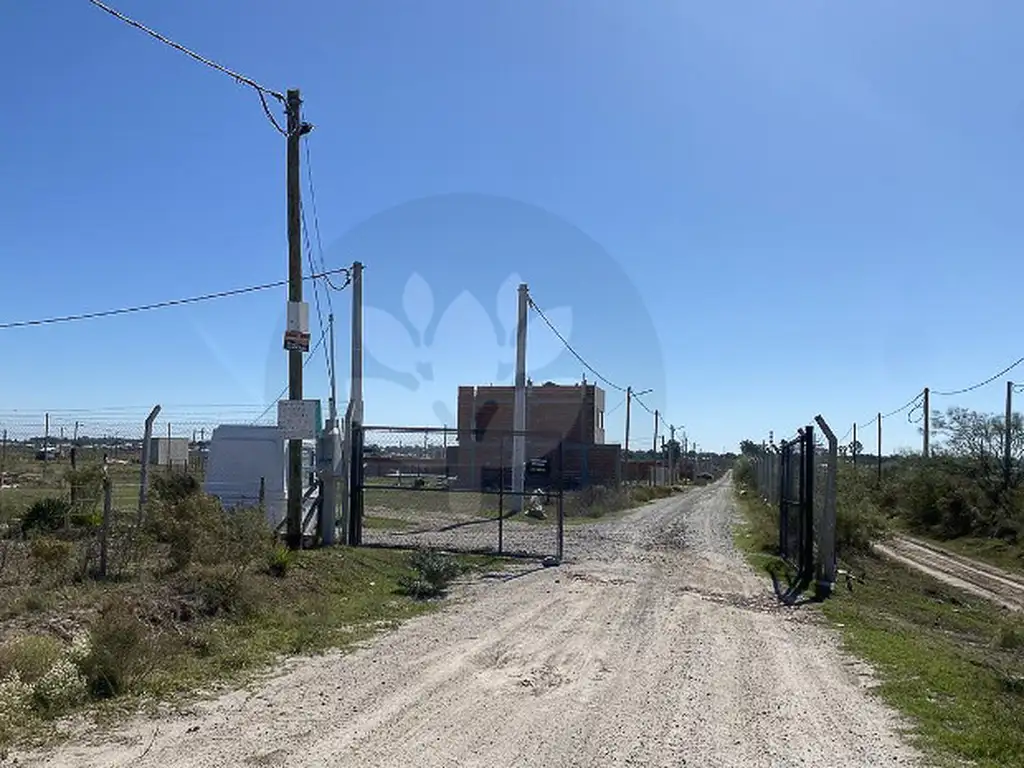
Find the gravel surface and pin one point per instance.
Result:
(980, 579)
(653, 645)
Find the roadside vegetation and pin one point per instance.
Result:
(952, 662)
(601, 501)
(193, 596)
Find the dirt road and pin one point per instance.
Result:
(980, 579)
(655, 646)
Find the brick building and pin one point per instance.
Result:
(562, 422)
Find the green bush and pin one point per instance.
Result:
(173, 488)
(744, 473)
(432, 574)
(279, 561)
(196, 529)
(216, 590)
(30, 657)
(46, 515)
(858, 525)
(52, 560)
(123, 650)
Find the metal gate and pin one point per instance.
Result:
(430, 487)
(796, 502)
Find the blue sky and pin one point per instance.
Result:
(763, 211)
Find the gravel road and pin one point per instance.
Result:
(980, 579)
(654, 645)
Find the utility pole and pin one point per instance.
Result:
(625, 447)
(519, 414)
(1008, 436)
(672, 454)
(855, 445)
(655, 431)
(879, 447)
(296, 129)
(926, 448)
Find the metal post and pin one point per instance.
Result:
(879, 447)
(46, 439)
(672, 455)
(826, 566)
(147, 436)
(926, 446)
(855, 445)
(1008, 437)
(625, 447)
(519, 412)
(105, 524)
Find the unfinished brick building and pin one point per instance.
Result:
(563, 422)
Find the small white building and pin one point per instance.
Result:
(168, 451)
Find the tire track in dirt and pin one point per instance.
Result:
(976, 578)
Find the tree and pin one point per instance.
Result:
(856, 447)
(978, 439)
(750, 448)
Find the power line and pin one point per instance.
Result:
(569, 347)
(980, 384)
(284, 391)
(316, 222)
(160, 304)
(261, 90)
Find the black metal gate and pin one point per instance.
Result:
(796, 502)
(429, 487)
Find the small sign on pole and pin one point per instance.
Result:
(297, 419)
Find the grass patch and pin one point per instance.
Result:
(756, 534)
(952, 662)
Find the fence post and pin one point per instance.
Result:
(826, 567)
(561, 494)
(105, 525)
(147, 435)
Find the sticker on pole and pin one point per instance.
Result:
(296, 334)
(297, 419)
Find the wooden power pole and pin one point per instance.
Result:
(296, 129)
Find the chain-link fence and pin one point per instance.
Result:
(43, 454)
(436, 488)
(797, 478)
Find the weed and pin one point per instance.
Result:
(432, 574)
(279, 561)
(52, 559)
(123, 650)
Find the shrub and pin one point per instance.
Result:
(48, 678)
(858, 524)
(46, 515)
(432, 574)
(122, 650)
(279, 561)
(173, 488)
(743, 472)
(197, 529)
(30, 657)
(214, 590)
(52, 559)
